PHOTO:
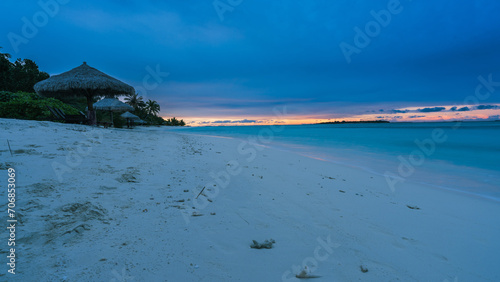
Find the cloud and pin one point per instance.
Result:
(400, 111)
(487, 107)
(227, 121)
(463, 109)
(430, 110)
(244, 121)
(495, 117)
(280, 56)
(415, 116)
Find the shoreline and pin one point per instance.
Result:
(122, 210)
(313, 152)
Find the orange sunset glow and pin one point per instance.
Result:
(408, 114)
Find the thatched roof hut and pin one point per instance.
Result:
(131, 118)
(83, 81)
(112, 104)
(129, 115)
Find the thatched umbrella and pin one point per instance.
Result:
(83, 81)
(130, 116)
(112, 105)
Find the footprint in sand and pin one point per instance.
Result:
(41, 189)
(129, 176)
(72, 220)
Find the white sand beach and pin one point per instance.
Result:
(98, 204)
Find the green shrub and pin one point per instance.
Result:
(23, 105)
(6, 96)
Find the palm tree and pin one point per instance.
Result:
(152, 107)
(135, 101)
(5, 55)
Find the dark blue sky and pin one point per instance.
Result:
(245, 59)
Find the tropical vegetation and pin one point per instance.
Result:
(149, 111)
(21, 75)
(18, 100)
(24, 105)
(175, 122)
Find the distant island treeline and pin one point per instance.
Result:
(347, 121)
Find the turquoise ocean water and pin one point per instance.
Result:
(464, 157)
